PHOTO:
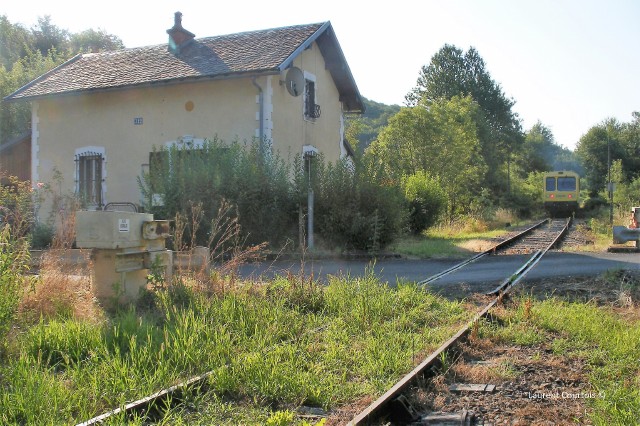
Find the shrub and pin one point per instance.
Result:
(197, 182)
(17, 205)
(354, 208)
(267, 195)
(594, 203)
(41, 236)
(426, 201)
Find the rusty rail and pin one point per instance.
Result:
(155, 401)
(378, 407)
(478, 256)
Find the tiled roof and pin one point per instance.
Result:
(247, 52)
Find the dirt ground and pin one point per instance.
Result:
(532, 386)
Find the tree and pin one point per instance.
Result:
(95, 41)
(630, 141)
(538, 150)
(27, 54)
(14, 42)
(452, 72)
(47, 36)
(15, 118)
(440, 138)
(540, 153)
(369, 125)
(599, 145)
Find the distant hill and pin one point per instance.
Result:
(375, 118)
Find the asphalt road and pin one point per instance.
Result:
(487, 269)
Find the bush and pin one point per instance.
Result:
(17, 204)
(355, 209)
(426, 201)
(197, 183)
(41, 236)
(594, 203)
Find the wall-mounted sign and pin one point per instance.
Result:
(123, 225)
(137, 121)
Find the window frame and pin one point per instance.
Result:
(308, 100)
(548, 180)
(564, 180)
(91, 191)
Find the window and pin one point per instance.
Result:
(550, 184)
(311, 107)
(90, 174)
(566, 184)
(178, 154)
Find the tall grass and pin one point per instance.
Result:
(287, 343)
(444, 242)
(14, 261)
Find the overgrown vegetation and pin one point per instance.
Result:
(609, 344)
(356, 208)
(14, 261)
(286, 343)
(267, 195)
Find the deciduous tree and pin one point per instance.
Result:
(439, 137)
(452, 72)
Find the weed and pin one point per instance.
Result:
(14, 261)
(280, 418)
(528, 304)
(446, 361)
(611, 347)
(292, 342)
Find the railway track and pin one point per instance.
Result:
(540, 237)
(393, 404)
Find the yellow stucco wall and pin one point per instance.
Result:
(325, 132)
(226, 108)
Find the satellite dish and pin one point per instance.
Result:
(294, 81)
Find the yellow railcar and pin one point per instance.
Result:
(561, 192)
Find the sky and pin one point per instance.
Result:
(570, 64)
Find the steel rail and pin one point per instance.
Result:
(375, 409)
(431, 361)
(165, 396)
(529, 264)
(152, 401)
(472, 259)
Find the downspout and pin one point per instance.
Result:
(261, 114)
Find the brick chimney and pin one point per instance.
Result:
(178, 36)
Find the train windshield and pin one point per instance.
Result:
(550, 184)
(566, 184)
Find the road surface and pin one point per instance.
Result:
(487, 269)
